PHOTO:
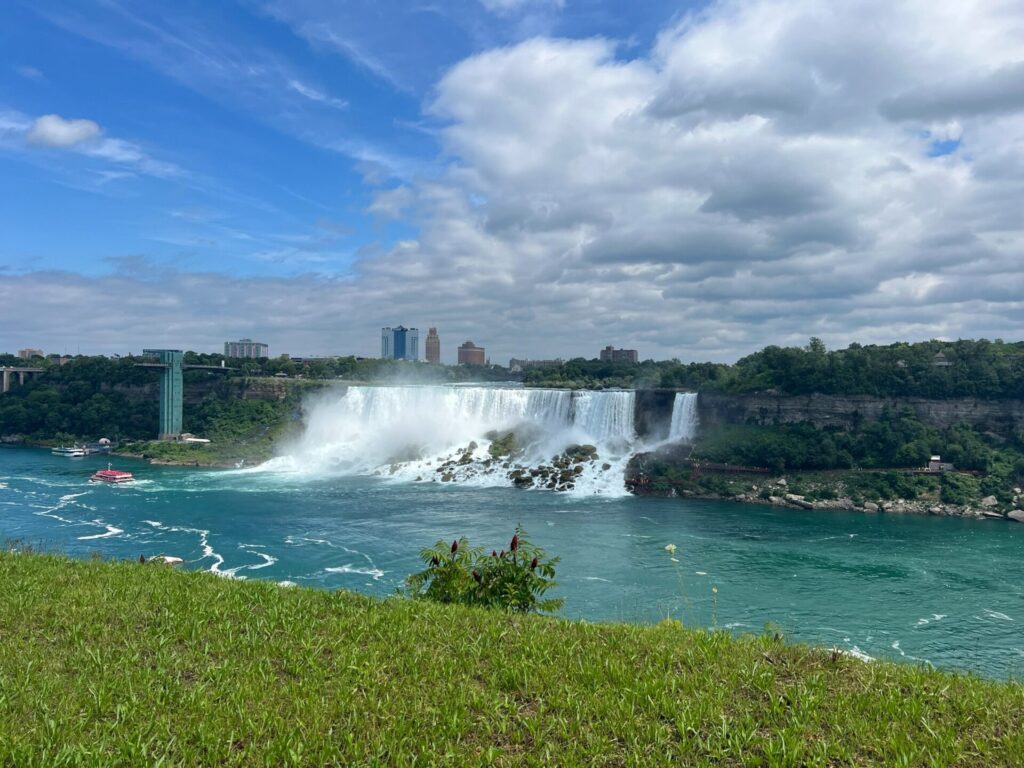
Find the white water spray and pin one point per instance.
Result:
(408, 432)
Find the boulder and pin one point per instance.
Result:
(782, 482)
(992, 514)
(990, 501)
(799, 501)
(870, 506)
(1016, 515)
(935, 510)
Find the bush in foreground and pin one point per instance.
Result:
(515, 580)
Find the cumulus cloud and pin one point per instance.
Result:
(56, 131)
(83, 137)
(764, 173)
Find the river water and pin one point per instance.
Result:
(942, 590)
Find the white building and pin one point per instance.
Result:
(246, 348)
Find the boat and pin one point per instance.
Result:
(109, 475)
(75, 450)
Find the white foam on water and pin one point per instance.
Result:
(997, 615)
(857, 653)
(371, 565)
(111, 531)
(266, 559)
(204, 544)
(375, 573)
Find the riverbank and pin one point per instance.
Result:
(896, 491)
(227, 455)
(144, 664)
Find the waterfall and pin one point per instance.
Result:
(409, 432)
(684, 418)
(605, 415)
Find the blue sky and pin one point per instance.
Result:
(278, 122)
(542, 176)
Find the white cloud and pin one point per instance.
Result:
(29, 72)
(391, 203)
(313, 94)
(56, 131)
(509, 6)
(82, 137)
(761, 175)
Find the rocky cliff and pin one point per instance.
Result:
(234, 388)
(1001, 416)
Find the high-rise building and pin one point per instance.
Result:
(28, 354)
(433, 346)
(611, 355)
(471, 354)
(246, 348)
(400, 343)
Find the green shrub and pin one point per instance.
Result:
(959, 489)
(516, 580)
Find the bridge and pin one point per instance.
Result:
(172, 364)
(22, 373)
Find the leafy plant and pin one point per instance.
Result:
(515, 580)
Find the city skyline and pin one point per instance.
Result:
(695, 180)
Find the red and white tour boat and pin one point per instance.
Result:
(109, 475)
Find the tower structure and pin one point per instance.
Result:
(171, 364)
(170, 390)
(433, 346)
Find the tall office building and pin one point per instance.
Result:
(433, 346)
(246, 348)
(471, 354)
(400, 343)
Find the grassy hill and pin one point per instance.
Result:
(123, 664)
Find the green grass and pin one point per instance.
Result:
(117, 664)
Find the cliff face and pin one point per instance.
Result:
(198, 391)
(1001, 416)
(653, 412)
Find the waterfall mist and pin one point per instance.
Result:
(444, 433)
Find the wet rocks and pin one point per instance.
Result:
(1017, 515)
(799, 501)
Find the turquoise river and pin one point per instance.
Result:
(921, 589)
